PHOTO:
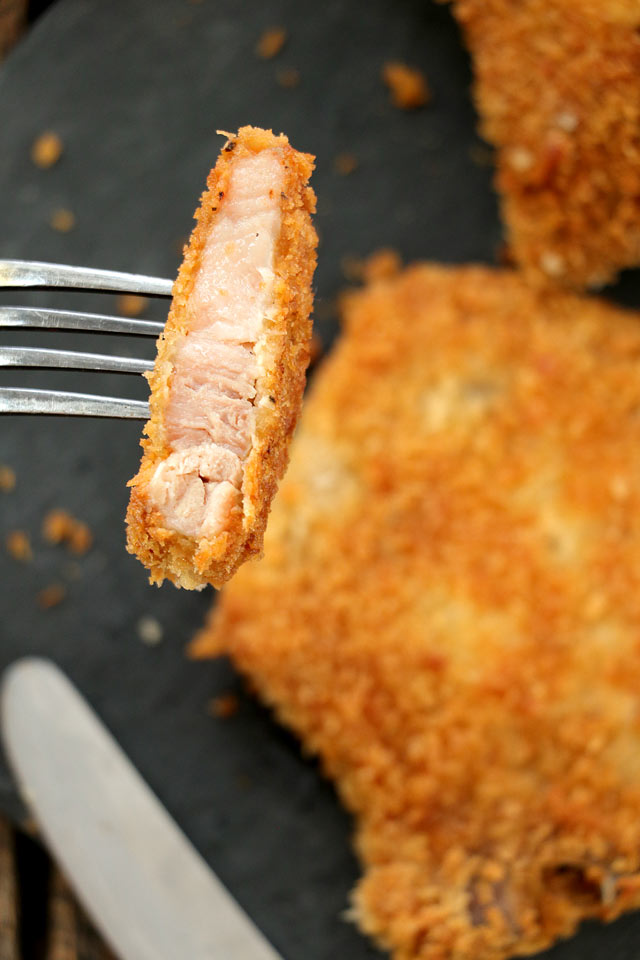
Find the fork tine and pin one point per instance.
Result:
(71, 360)
(35, 317)
(33, 273)
(70, 404)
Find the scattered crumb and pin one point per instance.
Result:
(316, 349)
(149, 631)
(352, 268)
(481, 155)
(19, 546)
(383, 264)
(224, 706)
(131, 305)
(59, 526)
(7, 479)
(46, 150)
(345, 163)
(271, 42)
(408, 85)
(62, 220)
(288, 77)
(51, 596)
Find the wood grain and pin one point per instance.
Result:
(8, 895)
(12, 19)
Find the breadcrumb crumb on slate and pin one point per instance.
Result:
(224, 706)
(271, 42)
(19, 546)
(407, 85)
(345, 163)
(131, 304)
(46, 150)
(60, 526)
(448, 610)
(51, 596)
(227, 386)
(288, 77)
(558, 91)
(62, 220)
(7, 479)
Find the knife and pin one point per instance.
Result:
(148, 890)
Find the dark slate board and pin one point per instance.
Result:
(137, 90)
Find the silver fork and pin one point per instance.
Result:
(24, 273)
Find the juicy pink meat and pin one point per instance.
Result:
(209, 417)
(198, 487)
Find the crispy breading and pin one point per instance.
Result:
(448, 610)
(190, 562)
(558, 91)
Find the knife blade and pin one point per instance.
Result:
(148, 890)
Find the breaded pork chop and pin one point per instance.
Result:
(227, 385)
(558, 91)
(448, 610)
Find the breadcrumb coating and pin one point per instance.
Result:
(190, 562)
(448, 610)
(558, 91)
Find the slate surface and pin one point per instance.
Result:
(137, 90)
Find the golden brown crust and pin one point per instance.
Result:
(558, 91)
(448, 610)
(181, 559)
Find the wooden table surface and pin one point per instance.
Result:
(40, 918)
